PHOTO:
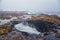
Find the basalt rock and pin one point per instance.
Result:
(57, 35)
(42, 26)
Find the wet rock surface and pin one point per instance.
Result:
(11, 33)
(42, 26)
(51, 37)
(17, 35)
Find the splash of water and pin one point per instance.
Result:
(26, 28)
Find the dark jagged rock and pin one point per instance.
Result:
(24, 33)
(42, 26)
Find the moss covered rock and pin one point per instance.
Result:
(4, 29)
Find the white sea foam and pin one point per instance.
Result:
(25, 28)
(6, 20)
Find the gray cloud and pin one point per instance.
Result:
(30, 5)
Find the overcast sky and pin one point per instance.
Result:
(30, 5)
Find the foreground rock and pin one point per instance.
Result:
(57, 35)
(4, 29)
